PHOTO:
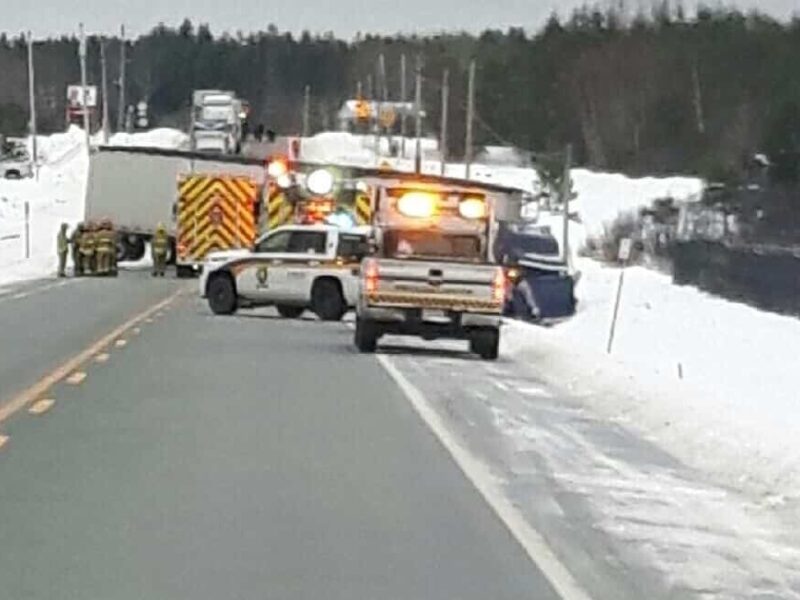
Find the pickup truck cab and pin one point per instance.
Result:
(294, 268)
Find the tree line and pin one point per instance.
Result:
(654, 92)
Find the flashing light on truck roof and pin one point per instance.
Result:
(320, 182)
(277, 167)
(417, 204)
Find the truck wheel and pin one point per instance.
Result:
(136, 249)
(184, 272)
(221, 295)
(327, 301)
(122, 250)
(366, 336)
(288, 311)
(485, 343)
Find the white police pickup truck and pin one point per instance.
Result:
(294, 268)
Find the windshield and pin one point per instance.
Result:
(432, 244)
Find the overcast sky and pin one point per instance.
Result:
(49, 17)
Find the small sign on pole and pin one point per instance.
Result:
(623, 256)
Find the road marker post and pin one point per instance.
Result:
(623, 256)
(27, 229)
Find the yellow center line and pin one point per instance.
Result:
(76, 378)
(45, 383)
(41, 406)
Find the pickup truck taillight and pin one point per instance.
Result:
(499, 286)
(371, 276)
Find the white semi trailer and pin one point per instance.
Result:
(137, 189)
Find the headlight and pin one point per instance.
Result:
(472, 208)
(417, 204)
(320, 182)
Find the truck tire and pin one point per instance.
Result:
(287, 311)
(221, 294)
(366, 336)
(136, 248)
(122, 249)
(184, 272)
(327, 300)
(485, 343)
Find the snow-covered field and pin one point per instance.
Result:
(714, 382)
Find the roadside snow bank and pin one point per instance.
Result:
(714, 382)
(56, 197)
(155, 138)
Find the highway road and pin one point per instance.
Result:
(208, 457)
(179, 455)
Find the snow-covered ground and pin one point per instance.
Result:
(715, 382)
(56, 197)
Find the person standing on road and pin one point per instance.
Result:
(159, 247)
(87, 246)
(74, 241)
(104, 242)
(62, 245)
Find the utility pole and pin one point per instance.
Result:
(122, 60)
(403, 99)
(443, 129)
(306, 110)
(470, 115)
(82, 58)
(104, 84)
(418, 115)
(384, 100)
(566, 192)
(32, 100)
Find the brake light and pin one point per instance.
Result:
(371, 276)
(499, 286)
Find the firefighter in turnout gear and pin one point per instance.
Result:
(104, 247)
(62, 246)
(87, 245)
(160, 246)
(74, 241)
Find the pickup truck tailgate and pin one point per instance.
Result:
(449, 286)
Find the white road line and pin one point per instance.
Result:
(10, 295)
(481, 477)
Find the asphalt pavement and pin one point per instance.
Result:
(226, 457)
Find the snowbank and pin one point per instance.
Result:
(601, 197)
(714, 382)
(155, 138)
(56, 197)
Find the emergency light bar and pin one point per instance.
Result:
(420, 204)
